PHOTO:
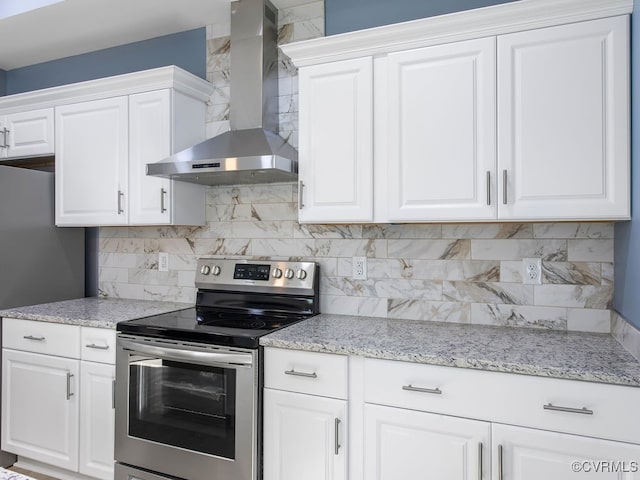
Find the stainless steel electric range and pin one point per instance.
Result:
(189, 383)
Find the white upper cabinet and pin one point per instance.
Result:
(103, 133)
(336, 142)
(161, 123)
(516, 112)
(91, 163)
(563, 122)
(27, 134)
(440, 154)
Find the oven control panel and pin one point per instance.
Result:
(215, 273)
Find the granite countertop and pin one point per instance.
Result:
(93, 311)
(568, 355)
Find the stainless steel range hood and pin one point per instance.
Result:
(251, 152)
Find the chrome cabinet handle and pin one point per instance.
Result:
(583, 410)
(69, 394)
(300, 374)
(504, 187)
(163, 192)
(36, 339)
(500, 462)
(120, 195)
(488, 187)
(97, 347)
(4, 138)
(337, 437)
(411, 388)
(300, 195)
(6, 135)
(113, 394)
(480, 461)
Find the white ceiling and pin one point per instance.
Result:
(72, 27)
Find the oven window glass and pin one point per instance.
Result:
(183, 405)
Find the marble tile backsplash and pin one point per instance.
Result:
(464, 273)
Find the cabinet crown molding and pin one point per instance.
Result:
(500, 19)
(127, 84)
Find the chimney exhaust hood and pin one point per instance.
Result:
(251, 152)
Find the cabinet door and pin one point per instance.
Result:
(402, 444)
(40, 407)
(304, 437)
(336, 142)
(563, 122)
(30, 133)
(440, 155)
(149, 142)
(97, 425)
(528, 454)
(92, 149)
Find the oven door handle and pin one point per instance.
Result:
(192, 356)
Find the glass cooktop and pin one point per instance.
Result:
(217, 327)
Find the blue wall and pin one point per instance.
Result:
(349, 15)
(185, 49)
(627, 244)
(3, 82)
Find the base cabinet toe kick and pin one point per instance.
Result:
(398, 420)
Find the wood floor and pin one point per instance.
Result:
(29, 473)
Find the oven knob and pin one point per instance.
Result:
(288, 273)
(216, 270)
(205, 270)
(302, 274)
(277, 273)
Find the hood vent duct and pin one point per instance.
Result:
(251, 152)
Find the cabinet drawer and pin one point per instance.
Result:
(98, 345)
(507, 398)
(306, 372)
(41, 337)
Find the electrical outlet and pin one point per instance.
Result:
(359, 271)
(163, 262)
(532, 271)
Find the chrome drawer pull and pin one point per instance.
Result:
(583, 410)
(69, 394)
(504, 187)
(97, 347)
(300, 374)
(31, 337)
(488, 188)
(163, 192)
(411, 388)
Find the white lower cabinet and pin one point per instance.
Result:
(304, 437)
(528, 454)
(57, 397)
(98, 419)
(40, 407)
(305, 428)
(400, 444)
(409, 421)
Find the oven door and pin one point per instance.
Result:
(186, 410)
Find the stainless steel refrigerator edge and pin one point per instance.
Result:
(39, 263)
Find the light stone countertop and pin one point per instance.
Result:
(93, 311)
(569, 355)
